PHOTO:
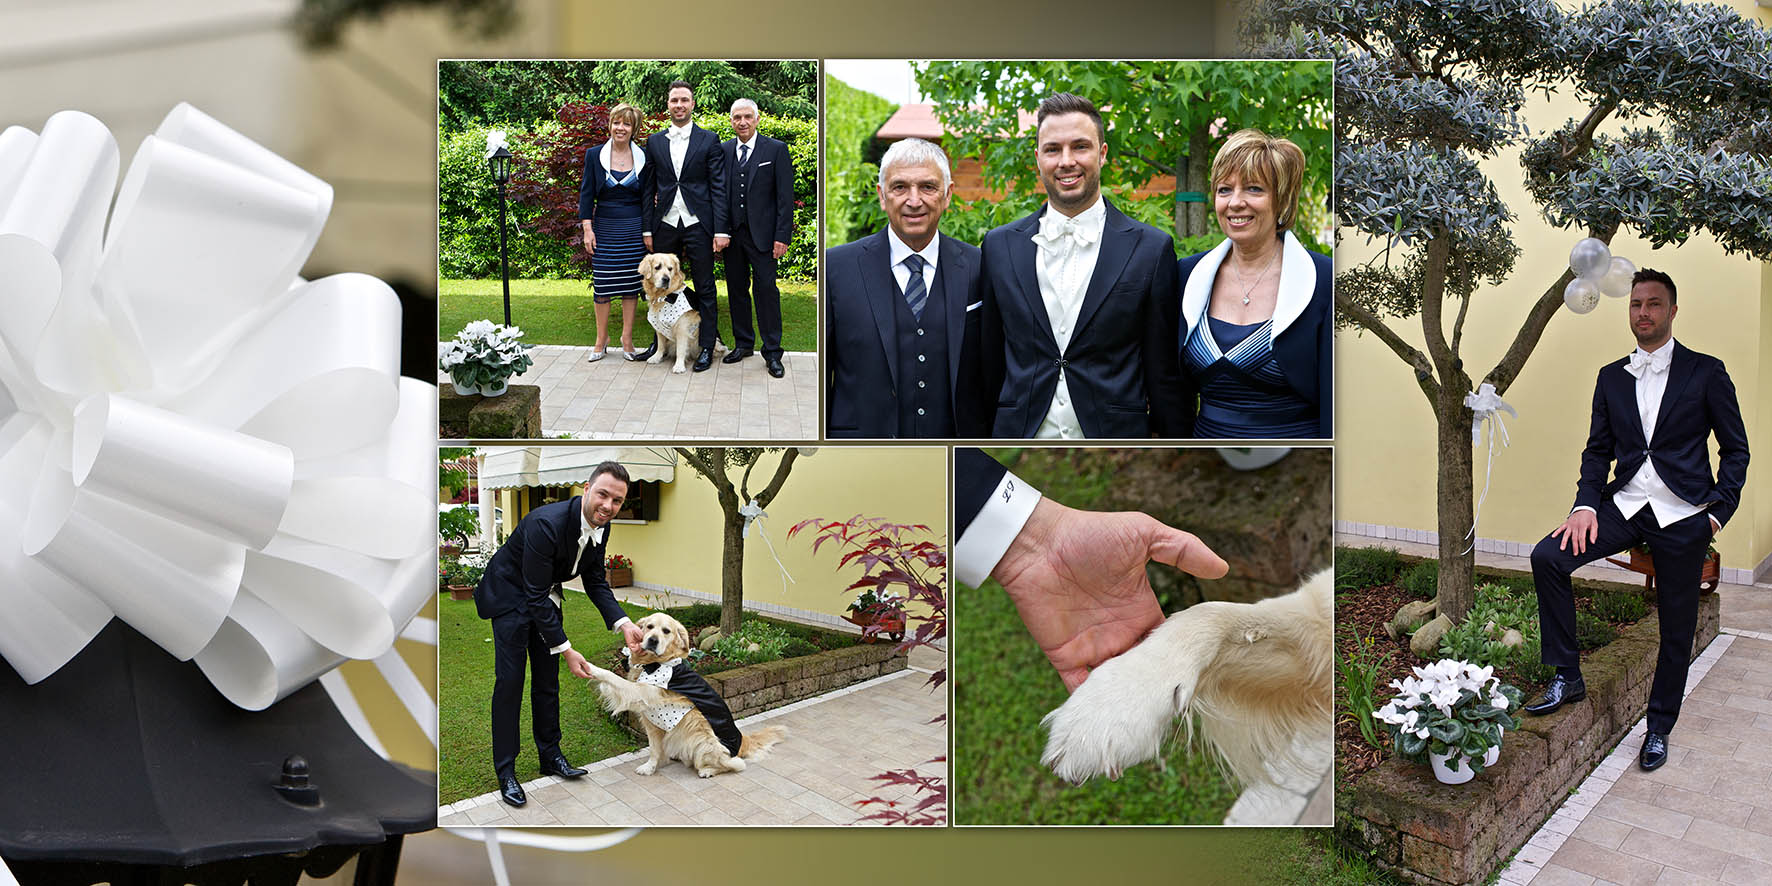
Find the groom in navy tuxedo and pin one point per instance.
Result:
(1078, 299)
(520, 594)
(684, 206)
(1653, 415)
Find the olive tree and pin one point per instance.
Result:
(1424, 90)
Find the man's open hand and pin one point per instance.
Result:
(633, 635)
(1078, 580)
(576, 664)
(1579, 530)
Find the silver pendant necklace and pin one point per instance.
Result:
(1263, 275)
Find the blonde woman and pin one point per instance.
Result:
(615, 176)
(1257, 312)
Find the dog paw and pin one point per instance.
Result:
(678, 369)
(657, 357)
(646, 768)
(734, 764)
(1116, 719)
(708, 772)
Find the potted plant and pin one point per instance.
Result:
(1643, 562)
(1450, 714)
(619, 570)
(483, 357)
(461, 574)
(873, 608)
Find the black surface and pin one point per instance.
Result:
(129, 755)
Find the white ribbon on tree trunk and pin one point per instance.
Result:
(1486, 407)
(192, 437)
(754, 513)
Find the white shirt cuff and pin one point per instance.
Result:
(622, 621)
(1583, 508)
(560, 648)
(990, 533)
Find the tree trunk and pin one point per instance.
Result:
(1190, 218)
(1457, 552)
(732, 574)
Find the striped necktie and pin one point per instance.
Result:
(744, 154)
(915, 293)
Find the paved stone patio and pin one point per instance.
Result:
(613, 399)
(1703, 817)
(836, 743)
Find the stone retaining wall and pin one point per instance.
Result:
(1433, 834)
(513, 415)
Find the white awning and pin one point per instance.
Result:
(512, 466)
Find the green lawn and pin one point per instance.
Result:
(559, 312)
(464, 702)
(1003, 685)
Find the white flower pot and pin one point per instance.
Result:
(495, 389)
(1493, 754)
(465, 390)
(1443, 770)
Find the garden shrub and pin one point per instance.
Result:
(1529, 660)
(1365, 567)
(771, 641)
(1591, 632)
(1478, 638)
(797, 646)
(1619, 606)
(1423, 579)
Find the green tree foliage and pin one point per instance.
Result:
(851, 117)
(1424, 92)
(518, 93)
(321, 23)
(1163, 118)
(467, 218)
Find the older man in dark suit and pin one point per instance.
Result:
(520, 593)
(761, 211)
(1081, 303)
(1653, 416)
(685, 206)
(902, 323)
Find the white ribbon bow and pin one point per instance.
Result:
(1656, 362)
(1486, 406)
(192, 437)
(1055, 226)
(752, 513)
(678, 134)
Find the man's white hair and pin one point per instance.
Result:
(915, 152)
(744, 103)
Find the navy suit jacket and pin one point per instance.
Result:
(592, 184)
(1304, 320)
(976, 475)
(537, 556)
(703, 181)
(861, 334)
(1699, 401)
(768, 212)
(1121, 364)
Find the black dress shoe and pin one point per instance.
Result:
(558, 766)
(705, 361)
(773, 364)
(1561, 691)
(642, 355)
(736, 355)
(1654, 752)
(510, 791)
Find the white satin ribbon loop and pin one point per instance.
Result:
(754, 513)
(337, 613)
(257, 657)
(370, 515)
(172, 583)
(333, 350)
(16, 146)
(198, 245)
(223, 482)
(1486, 406)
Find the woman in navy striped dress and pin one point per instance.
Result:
(609, 211)
(1257, 311)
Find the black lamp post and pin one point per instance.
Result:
(500, 164)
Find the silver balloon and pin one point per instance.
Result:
(1581, 295)
(1590, 258)
(1616, 283)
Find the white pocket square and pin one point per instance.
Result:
(765, 162)
(974, 306)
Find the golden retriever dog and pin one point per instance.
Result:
(1258, 676)
(690, 739)
(675, 321)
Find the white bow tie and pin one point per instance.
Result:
(592, 537)
(1054, 227)
(1654, 363)
(675, 134)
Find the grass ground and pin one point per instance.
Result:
(464, 701)
(1003, 685)
(559, 312)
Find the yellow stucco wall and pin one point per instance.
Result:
(1384, 426)
(682, 549)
